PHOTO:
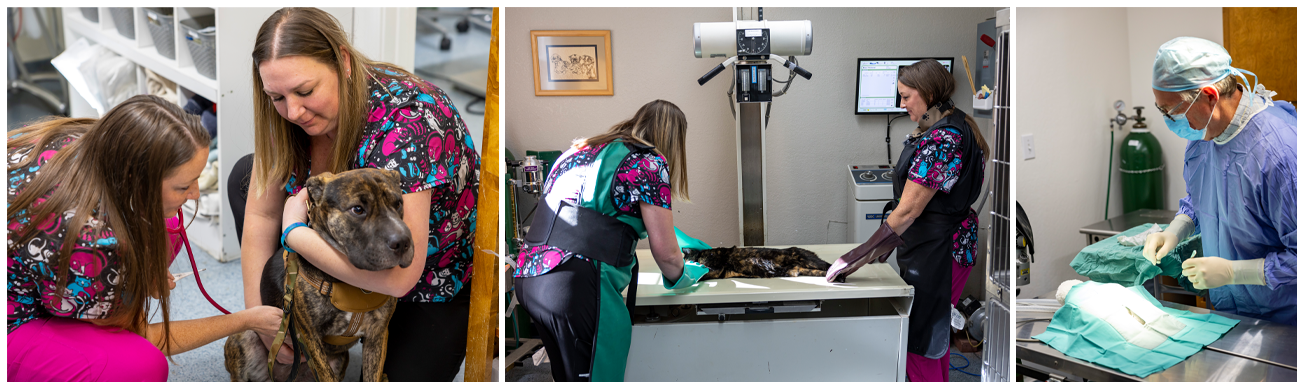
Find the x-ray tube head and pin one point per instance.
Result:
(720, 39)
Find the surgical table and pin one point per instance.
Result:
(1108, 228)
(780, 329)
(1254, 350)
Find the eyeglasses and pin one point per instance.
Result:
(1185, 100)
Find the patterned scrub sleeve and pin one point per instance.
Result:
(642, 177)
(937, 165)
(413, 128)
(32, 280)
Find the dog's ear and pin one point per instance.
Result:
(317, 184)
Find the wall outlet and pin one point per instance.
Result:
(1029, 151)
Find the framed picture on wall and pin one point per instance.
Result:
(572, 63)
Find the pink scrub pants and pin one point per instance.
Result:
(920, 368)
(63, 349)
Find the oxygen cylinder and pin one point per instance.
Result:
(1142, 167)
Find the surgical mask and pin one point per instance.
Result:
(1182, 127)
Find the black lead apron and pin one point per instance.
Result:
(925, 257)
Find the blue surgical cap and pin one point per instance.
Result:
(1187, 63)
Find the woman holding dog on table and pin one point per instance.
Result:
(938, 176)
(321, 106)
(79, 307)
(618, 186)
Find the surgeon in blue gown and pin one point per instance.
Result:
(1240, 175)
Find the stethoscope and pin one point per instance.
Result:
(186, 241)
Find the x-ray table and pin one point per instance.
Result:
(781, 329)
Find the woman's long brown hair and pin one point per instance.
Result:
(935, 84)
(659, 124)
(281, 147)
(115, 170)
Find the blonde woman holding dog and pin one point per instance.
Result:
(619, 186)
(91, 203)
(321, 106)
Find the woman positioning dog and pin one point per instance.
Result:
(939, 174)
(321, 106)
(619, 186)
(78, 306)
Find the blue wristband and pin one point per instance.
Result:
(287, 233)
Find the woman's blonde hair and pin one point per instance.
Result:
(114, 169)
(935, 85)
(659, 124)
(280, 147)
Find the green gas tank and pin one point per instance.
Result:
(1143, 169)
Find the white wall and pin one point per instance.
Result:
(813, 134)
(1149, 28)
(1073, 63)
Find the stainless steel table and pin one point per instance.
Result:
(1251, 338)
(1108, 228)
(780, 329)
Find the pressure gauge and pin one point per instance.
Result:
(1119, 105)
(754, 41)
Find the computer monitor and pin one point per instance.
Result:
(876, 83)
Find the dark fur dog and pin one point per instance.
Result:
(360, 214)
(758, 262)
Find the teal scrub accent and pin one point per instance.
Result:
(1107, 261)
(693, 271)
(688, 242)
(615, 331)
(1091, 339)
(611, 345)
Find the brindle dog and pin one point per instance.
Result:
(360, 214)
(758, 262)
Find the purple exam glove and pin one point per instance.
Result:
(879, 246)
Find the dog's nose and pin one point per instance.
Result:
(399, 243)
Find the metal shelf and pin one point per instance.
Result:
(147, 57)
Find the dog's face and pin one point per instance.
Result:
(360, 213)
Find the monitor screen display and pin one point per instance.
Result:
(876, 83)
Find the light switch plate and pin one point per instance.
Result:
(1029, 151)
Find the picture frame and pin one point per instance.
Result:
(572, 62)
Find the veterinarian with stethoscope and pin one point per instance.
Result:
(617, 187)
(78, 307)
(320, 105)
(940, 174)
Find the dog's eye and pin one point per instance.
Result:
(358, 210)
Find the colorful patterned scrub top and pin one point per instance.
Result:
(936, 165)
(641, 177)
(413, 128)
(95, 269)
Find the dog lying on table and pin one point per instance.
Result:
(758, 262)
(360, 214)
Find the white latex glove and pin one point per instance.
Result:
(1213, 272)
(1159, 244)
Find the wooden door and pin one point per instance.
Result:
(1262, 40)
